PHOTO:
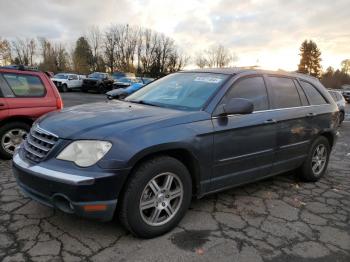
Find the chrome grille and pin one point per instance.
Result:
(38, 143)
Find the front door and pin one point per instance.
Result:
(244, 144)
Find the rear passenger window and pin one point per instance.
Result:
(25, 85)
(312, 93)
(284, 92)
(252, 89)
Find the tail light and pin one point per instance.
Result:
(59, 103)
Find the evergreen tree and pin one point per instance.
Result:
(310, 59)
(82, 56)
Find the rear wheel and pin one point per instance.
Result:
(341, 117)
(156, 197)
(316, 163)
(11, 136)
(64, 88)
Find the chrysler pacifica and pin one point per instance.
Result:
(188, 134)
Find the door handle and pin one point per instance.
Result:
(270, 121)
(1, 104)
(311, 114)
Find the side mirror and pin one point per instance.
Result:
(70, 78)
(239, 106)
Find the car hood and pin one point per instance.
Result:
(106, 119)
(58, 79)
(91, 79)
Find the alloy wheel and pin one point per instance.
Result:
(319, 159)
(12, 139)
(161, 199)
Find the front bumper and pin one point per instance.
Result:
(87, 196)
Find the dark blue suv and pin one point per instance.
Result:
(188, 134)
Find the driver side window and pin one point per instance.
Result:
(252, 89)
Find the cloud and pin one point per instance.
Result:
(270, 31)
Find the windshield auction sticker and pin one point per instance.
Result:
(208, 79)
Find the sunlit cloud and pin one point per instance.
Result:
(266, 33)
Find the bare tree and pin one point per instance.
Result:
(218, 56)
(94, 37)
(54, 56)
(25, 50)
(110, 46)
(215, 56)
(200, 60)
(5, 52)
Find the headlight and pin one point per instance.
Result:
(85, 153)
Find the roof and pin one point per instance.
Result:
(239, 70)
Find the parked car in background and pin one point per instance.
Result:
(117, 75)
(66, 81)
(124, 82)
(25, 95)
(98, 82)
(121, 93)
(346, 94)
(341, 103)
(188, 134)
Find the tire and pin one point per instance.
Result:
(64, 88)
(6, 145)
(158, 169)
(101, 89)
(341, 117)
(308, 172)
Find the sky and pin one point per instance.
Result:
(267, 33)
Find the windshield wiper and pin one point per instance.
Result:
(142, 102)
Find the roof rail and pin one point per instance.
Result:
(306, 75)
(21, 67)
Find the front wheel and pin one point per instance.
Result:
(156, 197)
(101, 89)
(11, 136)
(316, 163)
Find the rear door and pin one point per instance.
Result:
(290, 111)
(3, 103)
(244, 144)
(27, 94)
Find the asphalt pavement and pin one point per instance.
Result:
(278, 219)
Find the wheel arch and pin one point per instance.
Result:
(330, 137)
(182, 154)
(11, 119)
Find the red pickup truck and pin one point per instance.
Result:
(25, 95)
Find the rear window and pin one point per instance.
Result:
(25, 85)
(314, 96)
(284, 91)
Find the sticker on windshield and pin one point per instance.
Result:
(208, 79)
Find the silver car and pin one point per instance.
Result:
(339, 99)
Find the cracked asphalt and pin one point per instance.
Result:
(278, 219)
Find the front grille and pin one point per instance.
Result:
(90, 82)
(57, 83)
(38, 144)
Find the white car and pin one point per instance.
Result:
(66, 82)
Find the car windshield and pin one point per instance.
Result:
(126, 80)
(61, 76)
(147, 80)
(96, 75)
(184, 91)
